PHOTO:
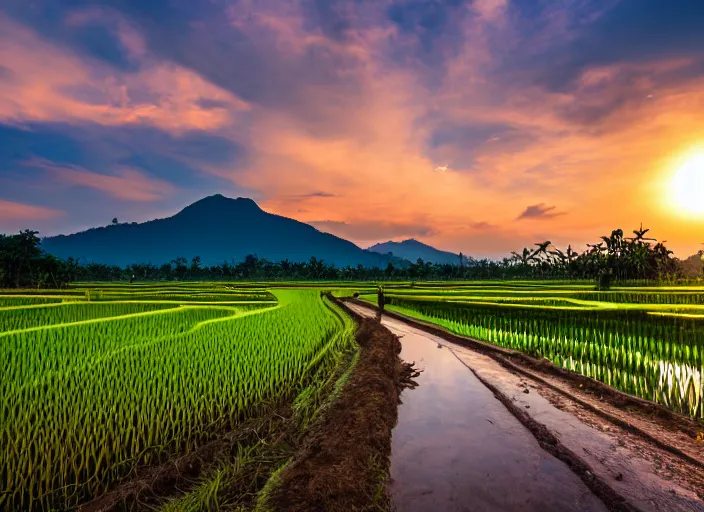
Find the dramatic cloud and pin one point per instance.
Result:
(539, 211)
(317, 194)
(48, 83)
(405, 118)
(127, 184)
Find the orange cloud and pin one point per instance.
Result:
(594, 153)
(49, 83)
(128, 184)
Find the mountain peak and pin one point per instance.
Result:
(412, 249)
(217, 204)
(215, 228)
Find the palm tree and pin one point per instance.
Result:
(525, 257)
(542, 249)
(640, 234)
(596, 248)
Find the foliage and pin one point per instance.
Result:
(23, 264)
(614, 257)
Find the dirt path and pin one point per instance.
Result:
(475, 436)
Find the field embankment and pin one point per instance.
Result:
(646, 341)
(344, 463)
(632, 455)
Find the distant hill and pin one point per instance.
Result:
(413, 249)
(215, 228)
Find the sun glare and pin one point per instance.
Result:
(688, 185)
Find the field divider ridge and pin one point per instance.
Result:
(501, 355)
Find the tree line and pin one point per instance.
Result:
(615, 257)
(23, 264)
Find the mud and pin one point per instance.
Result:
(672, 431)
(345, 458)
(670, 434)
(618, 462)
(669, 468)
(458, 448)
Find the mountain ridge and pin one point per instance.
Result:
(217, 229)
(412, 249)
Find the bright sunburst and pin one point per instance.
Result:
(688, 185)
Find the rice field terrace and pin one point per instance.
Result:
(645, 341)
(102, 379)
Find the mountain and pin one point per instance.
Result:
(215, 228)
(413, 249)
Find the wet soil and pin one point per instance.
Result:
(620, 464)
(344, 462)
(456, 447)
(674, 432)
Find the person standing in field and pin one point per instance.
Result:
(380, 298)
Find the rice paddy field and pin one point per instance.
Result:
(101, 379)
(645, 341)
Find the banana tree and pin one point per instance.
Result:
(525, 258)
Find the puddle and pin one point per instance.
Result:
(457, 448)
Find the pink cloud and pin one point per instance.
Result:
(11, 211)
(45, 79)
(490, 9)
(127, 184)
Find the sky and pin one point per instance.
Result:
(478, 126)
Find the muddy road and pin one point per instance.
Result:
(475, 436)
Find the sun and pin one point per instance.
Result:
(688, 185)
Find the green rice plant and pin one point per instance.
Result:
(40, 292)
(84, 404)
(185, 297)
(67, 312)
(658, 357)
(652, 297)
(13, 302)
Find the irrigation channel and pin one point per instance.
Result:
(474, 436)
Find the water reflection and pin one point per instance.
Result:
(457, 448)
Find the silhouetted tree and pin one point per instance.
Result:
(389, 270)
(195, 265)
